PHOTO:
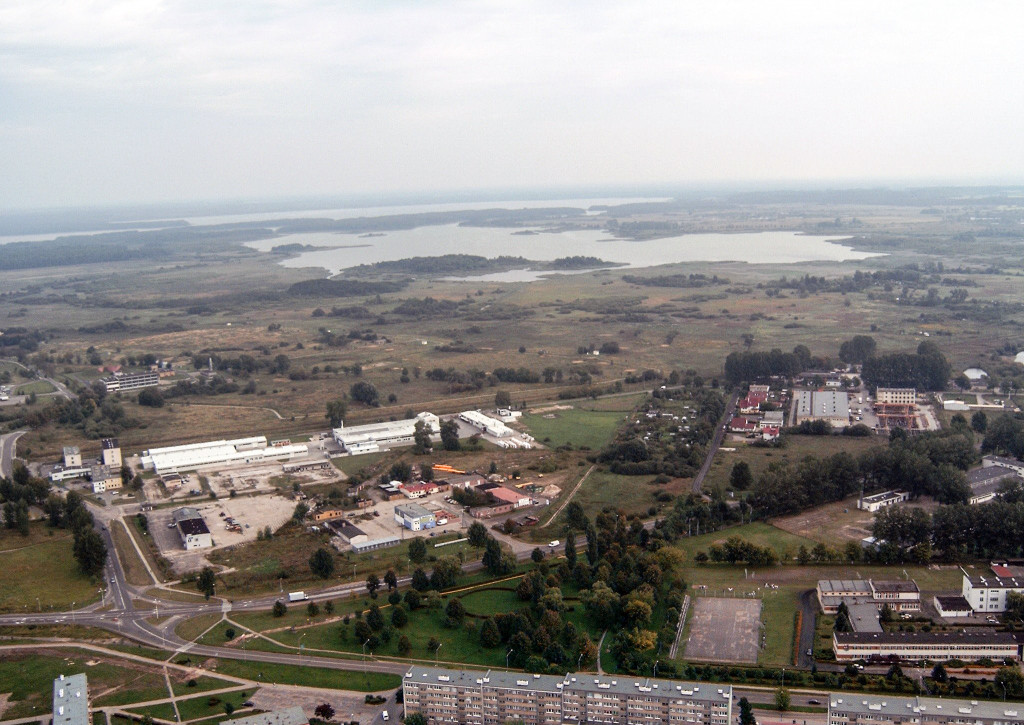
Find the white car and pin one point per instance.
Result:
(553, 544)
(384, 716)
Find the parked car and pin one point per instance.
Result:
(553, 544)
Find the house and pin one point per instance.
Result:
(192, 529)
(328, 515)
(72, 457)
(419, 490)
(773, 419)
(486, 512)
(743, 425)
(756, 395)
(414, 517)
(882, 500)
(103, 479)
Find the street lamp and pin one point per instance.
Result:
(436, 651)
(364, 652)
(656, 667)
(507, 656)
(579, 662)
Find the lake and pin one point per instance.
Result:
(753, 248)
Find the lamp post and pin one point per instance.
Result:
(579, 662)
(435, 653)
(656, 667)
(364, 652)
(507, 655)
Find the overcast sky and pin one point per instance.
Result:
(150, 100)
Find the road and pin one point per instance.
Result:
(716, 441)
(61, 388)
(8, 446)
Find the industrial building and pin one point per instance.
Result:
(123, 382)
(508, 495)
(952, 606)
(239, 450)
(349, 533)
(368, 438)
(489, 425)
(847, 708)
(917, 646)
(374, 544)
(902, 595)
(414, 517)
(831, 406)
(986, 481)
(71, 700)
(880, 500)
(110, 453)
(193, 530)
(497, 697)
(896, 408)
(987, 593)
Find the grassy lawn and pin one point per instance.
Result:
(39, 387)
(45, 570)
(579, 428)
(134, 570)
(192, 628)
(629, 493)
(203, 684)
(195, 708)
(175, 595)
(353, 464)
(309, 676)
(784, 543)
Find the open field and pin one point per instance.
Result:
(589, 429)
(306, 676)
(39, 387)
(134, 569)
(45, 571)
(200, 707)
(724, 630)
(833, 524)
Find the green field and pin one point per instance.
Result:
(41, 567)
(309, 676)
(578, 428)
(39, 387)
(199, 707)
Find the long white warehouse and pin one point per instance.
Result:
(487, 424)
(238, 450)
(368, 438)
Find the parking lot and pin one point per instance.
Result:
(724, 630)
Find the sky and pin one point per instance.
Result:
(161, 100)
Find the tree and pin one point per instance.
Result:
(279, 609)
(450, 435)
(570, 549)
(782, 699)
(502, 399)
(746, 713)
(417, 550)
(366, 393)
(324, 711)
(229, 707)
(206, 582)
(412, 598)
(321, 563)
(399, 617)
(374, 618)
(979, 422)
(740, 478)
(300, 511)
(391, 580)
(90, 552)
(477, 535)
(420, 580)
(415, 718)
(426, 472)
(494, 560)
(857, 350)
(421, 438)
(336, 410)
(939, 674)
(404, 648)
(151, 398)
(490, 636)
(1012, 679)
(537, 555)
(372, 584)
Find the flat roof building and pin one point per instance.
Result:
(496, 697)
(831, 406)
(902, 595)
(71, 700)
(368, 438)
(917, 646)
(896, 396)
(110, 452)
(489, 425)
(987, 592)
(845, 708)
(881, 500)
(123, 382)
(414, 517)
(72, 457)
(193, 530)
(239, 450)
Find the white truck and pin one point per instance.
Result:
(297, 596)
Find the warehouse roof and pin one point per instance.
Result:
(71, 700)
(193, 527)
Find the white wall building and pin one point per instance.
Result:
(881, 500)
(239, 450)
(896, 396)
(368, 438)
(987, 593)
(72, 457)
(192, 529)
(831, 406)
(111, 452)
(487, 424)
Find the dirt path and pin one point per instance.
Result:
(568, 498)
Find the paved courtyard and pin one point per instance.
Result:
(724, 630)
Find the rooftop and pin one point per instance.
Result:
(953, 603)
(936, 638)
(109, 443)
(193, 527)
(895, 585)
(830, 586)
(989, 474)
(185, 513)
(71, 700)
(877, 705)
(884, 496)
(71, 450)
(413, 510)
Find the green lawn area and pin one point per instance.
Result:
(784, 543)
(632, 494)
(579, 428)
(198, 707)
(354, 464)
(203, 684)
(192, 628)
(43, 567)
(134, 570)
(39, 387)
(309, 676)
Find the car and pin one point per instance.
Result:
(384, 716)
(247, 703)
(553, 544)
(810, 651)
(812, 701)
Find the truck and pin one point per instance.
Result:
(297, 596)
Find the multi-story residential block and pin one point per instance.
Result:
(855, 709)
(987, 592)
(483, 698)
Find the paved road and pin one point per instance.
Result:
(61, 388)
(716, 441)
(8, 444)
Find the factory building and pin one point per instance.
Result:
(239, 450)
(192, 529)
(369, 438)
(496, 697)
(831, 406)
(846, 708)
(489, 425)
(414, 517)
(71, 700)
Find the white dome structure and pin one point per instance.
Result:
(1020, 358)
